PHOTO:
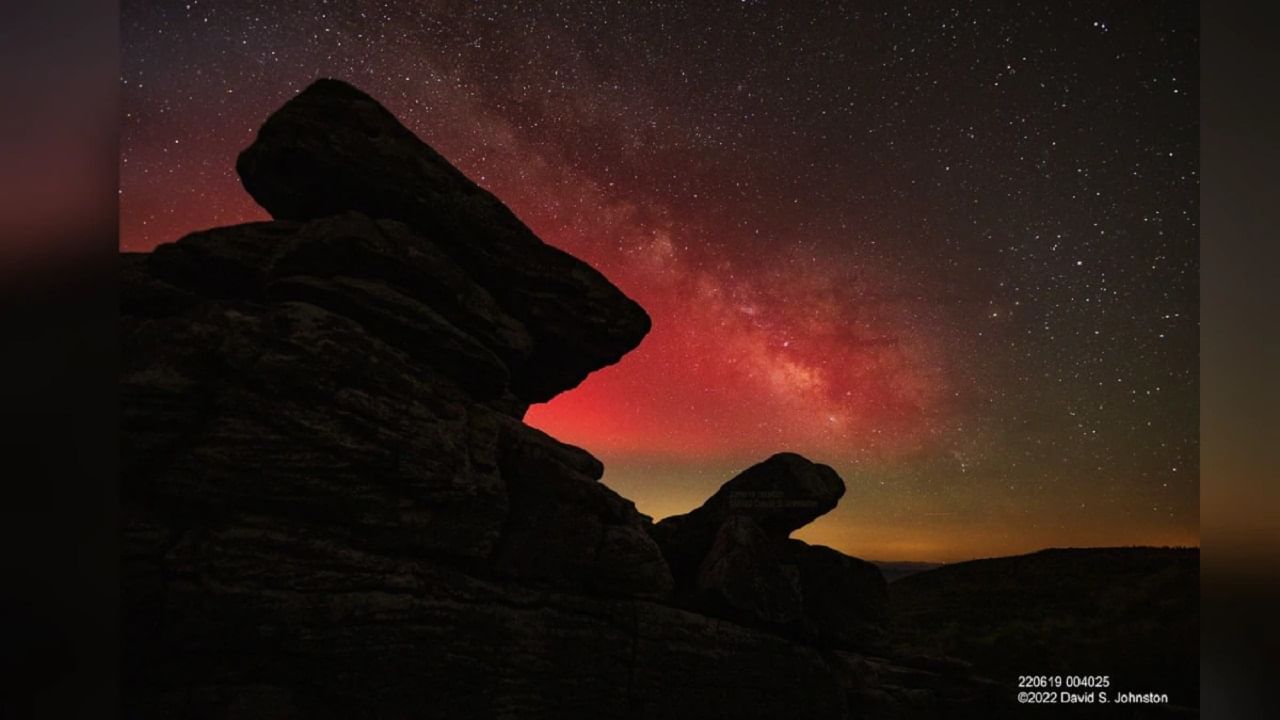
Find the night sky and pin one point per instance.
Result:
(950, 249)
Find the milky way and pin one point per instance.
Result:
(950, 249)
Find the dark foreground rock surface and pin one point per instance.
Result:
(332, 508)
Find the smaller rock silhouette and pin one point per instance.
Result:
(732, 557)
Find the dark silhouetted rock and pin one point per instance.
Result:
(781, 494)
(846, 600)
(743, 576)
(376, 272)
(571, 531)
(333, 148)
(732, 558)
(331, 507)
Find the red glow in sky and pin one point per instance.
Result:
(786, 358)
(959, 268)
(785, 349)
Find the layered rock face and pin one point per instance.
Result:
(332, 508)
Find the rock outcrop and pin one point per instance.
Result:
(732, 558)
(332, 508)
(333, 147)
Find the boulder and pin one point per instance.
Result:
(781, 494)
(732, 558)
(332, 149)
(289, 380)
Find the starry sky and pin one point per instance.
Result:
(949, 248)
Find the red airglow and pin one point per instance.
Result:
(744, 358)
(750, 352)
(706, 383)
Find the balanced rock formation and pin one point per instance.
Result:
(780, 495)
(335, 148)
(732, 558)
(333, 509)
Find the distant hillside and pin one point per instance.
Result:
(1131, 613)
(895, 570)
